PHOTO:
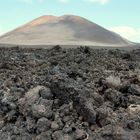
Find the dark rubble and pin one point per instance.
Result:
(69, 94)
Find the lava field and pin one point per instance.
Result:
(69, 94)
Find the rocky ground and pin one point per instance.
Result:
(69, 94)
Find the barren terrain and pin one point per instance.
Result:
(63, 30)
(69, 94)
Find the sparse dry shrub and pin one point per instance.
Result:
(113, 81)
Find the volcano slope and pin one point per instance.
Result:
(63, 30)
(69, 94)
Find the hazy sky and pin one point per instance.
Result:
(122, 16)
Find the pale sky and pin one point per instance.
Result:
(121, 16)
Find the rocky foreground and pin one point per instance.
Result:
(69, 94)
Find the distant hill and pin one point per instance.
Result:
(63, 30)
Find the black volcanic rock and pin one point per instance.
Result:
(74, 94)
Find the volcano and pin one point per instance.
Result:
(62, 30)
